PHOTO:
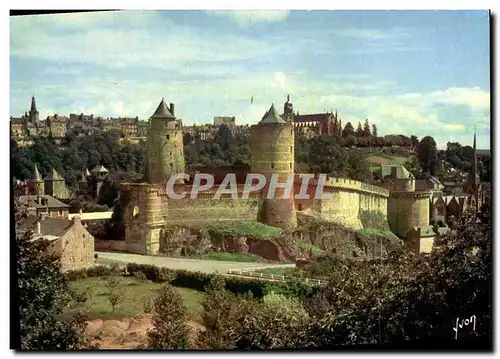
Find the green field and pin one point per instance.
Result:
(137, 293)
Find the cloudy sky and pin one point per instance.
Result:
(411, 72)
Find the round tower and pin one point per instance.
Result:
(272, 152)
(143, 219)
(165, 149)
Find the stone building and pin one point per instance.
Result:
(129, 126)
(312, 124)
(165, 148)
(142, 129)
(68, 239)
(55, 185)
(272, 152)
(229, 121)
(43, 204)
(58, 126)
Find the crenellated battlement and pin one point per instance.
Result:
(353, 185)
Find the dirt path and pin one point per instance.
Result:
(202, 265)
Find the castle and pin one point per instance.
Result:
(150, 210)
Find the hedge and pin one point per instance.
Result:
(198, 280)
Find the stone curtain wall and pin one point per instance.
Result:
(202, 210)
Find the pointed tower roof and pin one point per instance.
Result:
(36, 175)
(33, 105)
(474, 175)
(272, 116)
(162, 110)
(99, 168)
(87, 172)
(53, 176)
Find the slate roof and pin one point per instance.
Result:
(162, 110)
(272, 116)
(53, 176)
(99, 168)
(57, 118)
(36, 174)
(315, 117)
(51, 201)
(49, 226)
(17, 120)
(401, 171)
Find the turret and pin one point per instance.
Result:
(272, 152)
(55, 185)
(165, 148)
(36, 183)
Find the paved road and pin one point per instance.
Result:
(202, 265)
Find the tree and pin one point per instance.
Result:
(427, 154)
(42, 295)
(348, 130)
(374, 130)
(410, 297)
(366, 129)
(223, 316)
(169, 321)
(359, 130)
(325, 156)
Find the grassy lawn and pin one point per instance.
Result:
(137, 293)
(243, 228)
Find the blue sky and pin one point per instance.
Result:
(411, 72)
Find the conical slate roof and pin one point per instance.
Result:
(272, 116)
(87, 172)
(162, 110)
(36, 174)
(53, 176)
(99, 168)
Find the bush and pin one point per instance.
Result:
(139, 276)
(169, 321)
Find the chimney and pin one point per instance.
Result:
(76, 219)
(172, 109)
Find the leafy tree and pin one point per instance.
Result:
(327, 157)
(42, 296)
(276, 322)
(169, 321)
(348, 130)
(374, 130)
(223, 316)
(427, 153)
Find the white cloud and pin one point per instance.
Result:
(454, 127)
(247, 17)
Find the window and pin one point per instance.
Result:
(272, 166)
(291, 149)
(290, 165)
(300, 207)
(168, 137)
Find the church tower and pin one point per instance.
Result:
(36, 183)
(165, 148)
(33, 114)
(288, 110)
(472, 187)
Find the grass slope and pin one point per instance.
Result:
(243, 228)
(137, 294)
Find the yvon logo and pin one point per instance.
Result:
(465, 322)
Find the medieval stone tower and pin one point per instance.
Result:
(143, 219)
(165, 150)
(272, 152)
(36, 184)
(407, 209)
(55, 185)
